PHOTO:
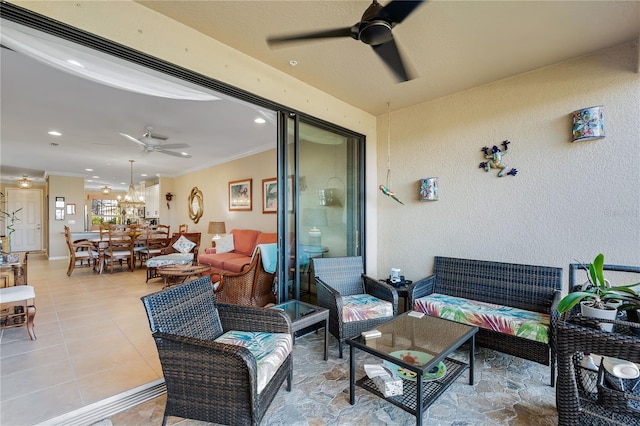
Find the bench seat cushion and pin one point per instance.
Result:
(170, 259)
(269, 349)
(502, 319)
(360, 307)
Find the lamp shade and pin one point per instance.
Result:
(217, 228)
(588, 123)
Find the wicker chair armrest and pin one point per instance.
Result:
(553, 309)
(381, 290)
(421, 288)
(178, 354)
(329, 298)
(250, 318)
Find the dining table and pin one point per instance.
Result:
(101, 243)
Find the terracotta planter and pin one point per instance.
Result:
(589, 311)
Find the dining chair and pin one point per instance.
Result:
(221, 363)
(155, 240)
(79, 252)
(121, 247)
(183, 228)
(356, 302)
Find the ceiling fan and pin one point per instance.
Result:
(152, 142)
(374, 29)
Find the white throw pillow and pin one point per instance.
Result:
(184, 245)
(225, 244)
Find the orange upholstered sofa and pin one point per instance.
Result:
(244, 242)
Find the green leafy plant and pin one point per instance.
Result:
(11, 219)
(600, 292)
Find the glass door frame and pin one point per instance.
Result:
(284, 267)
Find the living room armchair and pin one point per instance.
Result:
(356, 302)
(221, 363)
(254, 285)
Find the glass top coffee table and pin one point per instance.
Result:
(303, 315)
(416, 349)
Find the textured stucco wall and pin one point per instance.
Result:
(568, 201)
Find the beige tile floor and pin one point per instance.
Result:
(93, 342)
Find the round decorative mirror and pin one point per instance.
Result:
(196, 206)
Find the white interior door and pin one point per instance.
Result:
(28, 227)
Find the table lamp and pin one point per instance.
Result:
(216, 228)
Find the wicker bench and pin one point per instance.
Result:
(480, 285)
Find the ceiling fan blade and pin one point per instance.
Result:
(174, 146)
(175, 154)
(390, 54)
(132, 139)
(397, 10)
(338, 32)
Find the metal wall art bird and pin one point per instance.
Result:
(389, 193)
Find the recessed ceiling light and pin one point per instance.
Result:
(89, 180)
(260, 120)
(293, 62)
(55, 133)
(88, 170)
(143, 174)
(96, 177)
(74, 62)
(123, 183)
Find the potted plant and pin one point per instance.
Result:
(595, 299)
(10, 219)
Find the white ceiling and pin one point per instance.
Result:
(451, 46)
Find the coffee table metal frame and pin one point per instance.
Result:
(417, 395)
(305, 315)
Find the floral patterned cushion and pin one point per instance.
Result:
(183, 244)
(360, 307)
(503, 319)
(170, 259)
(269, 349)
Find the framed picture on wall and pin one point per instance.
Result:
(240, 195)
(269, 195)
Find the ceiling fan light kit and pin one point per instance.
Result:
(374, 29)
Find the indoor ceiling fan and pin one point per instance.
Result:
(152, 142)
(374, 29)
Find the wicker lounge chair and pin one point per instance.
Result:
(339, 277)
(583, 397)
(251, 287)
(208, 380)
(170, 255)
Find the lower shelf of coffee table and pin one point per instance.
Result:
(431, 390)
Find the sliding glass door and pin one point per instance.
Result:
(324, 214)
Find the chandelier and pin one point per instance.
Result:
(132, 201)
(106, 190)
(24, 183)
